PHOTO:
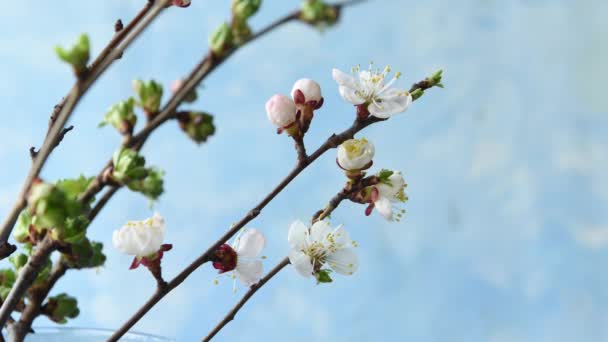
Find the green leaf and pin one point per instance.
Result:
(323, 276)
(85, 254)
(74, 187)
(21, 233)
(78, 55)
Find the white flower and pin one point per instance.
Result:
(281, 110)
(248, 247)
(140, 238)
(389, 192)
(309, 88)
(321, 245)
(355, 154)
(381, 100)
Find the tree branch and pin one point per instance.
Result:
(252, 290)
(19, 329)
(26, 276)
(115, 48)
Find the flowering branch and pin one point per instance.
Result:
(303, 162)
(321, 214)
(84, 81)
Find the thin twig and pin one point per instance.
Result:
(120, 42)
(252, 290)
(102, 202)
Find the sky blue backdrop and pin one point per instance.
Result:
(506, 234)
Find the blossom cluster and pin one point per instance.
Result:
(318, 249)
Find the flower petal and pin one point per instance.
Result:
(343, 261)
(301, 262)
(320, 230)
(297, 235)
(341, 236)
(385, 208)
(350, 95)
(249, 272)
(343, 78)
(391, 102)
(251, 243)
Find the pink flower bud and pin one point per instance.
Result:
(310, 89)
(181, 3)
(281, 110)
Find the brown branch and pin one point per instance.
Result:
(252, 290)
(300, 149)
(19, 329)
(26, 276)
(332, 142)
(115, 48)
(102, 202)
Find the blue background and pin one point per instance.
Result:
(506, 234)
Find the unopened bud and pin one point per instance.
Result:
(318, 13)
(355, 154)
(121, 116)
(128, 165)
(78, 55)
(221, 40)
(149, 95)
(309, 88)
(152, 186)
(243, 9)
(197, 125)
(281, 110)
(61, 307)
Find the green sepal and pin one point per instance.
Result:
(322, 276)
